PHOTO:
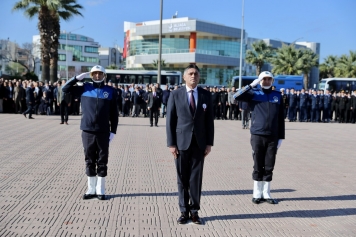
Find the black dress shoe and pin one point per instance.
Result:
(24, 115)
(271, 201)
(156, 125)
(183, 219)
(101, 197)
(195, 218)
(256, 200)
(31, 118)
(151, 125)
(89, 196)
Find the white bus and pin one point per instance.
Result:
(338, 84)
(142, 77)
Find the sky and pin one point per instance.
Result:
(328, 22)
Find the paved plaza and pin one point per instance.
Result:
(42, 180)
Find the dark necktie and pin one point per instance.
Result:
(192, 102)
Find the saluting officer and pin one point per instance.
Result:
(267, 131)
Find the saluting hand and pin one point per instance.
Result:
(174, 151)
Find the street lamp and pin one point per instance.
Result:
(241, 43)
(67, 47)
(160, 46)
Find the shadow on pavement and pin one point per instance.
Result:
(217, 192)
(297, 214)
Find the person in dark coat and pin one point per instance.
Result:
(30, 100)
(154, 105)
(190, 136)
(165, 96)
(126, 100)
(267, 132)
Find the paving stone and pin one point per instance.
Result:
(42, 180)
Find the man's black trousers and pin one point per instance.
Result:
(264, 150)
(96, 151)
(154, 113)
(63, 106)
(189, 165)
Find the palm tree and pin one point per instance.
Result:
(285, 61)
(49, 14)
(292, 61)
(259, 55)
(307, 61)
(155, 64)
(328, 67)
(346, 65)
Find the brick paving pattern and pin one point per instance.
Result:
(42, 180)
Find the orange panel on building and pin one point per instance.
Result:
(192, 41)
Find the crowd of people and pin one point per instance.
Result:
(132, 100)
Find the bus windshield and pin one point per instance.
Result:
(322, 85)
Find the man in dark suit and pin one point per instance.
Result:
(190, 135)
(154, 105)
(30, 100)
(63, 101)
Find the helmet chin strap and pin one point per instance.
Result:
(266, 87)
(98, 81)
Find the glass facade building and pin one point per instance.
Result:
(214, 48)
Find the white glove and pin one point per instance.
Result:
(112, 135)
(82, 76)
(256, 82)
(279, 143)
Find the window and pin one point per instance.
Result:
(61, 57)
(89, 49)
(281, 82)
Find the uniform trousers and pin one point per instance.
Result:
(96, 151)
(189, 166)
(326, 114)
(303, 114)
(264, 150)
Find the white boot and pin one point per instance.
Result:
(91, 185)
(257, 191)
(91, 188)
(100, 188)
(267, 193)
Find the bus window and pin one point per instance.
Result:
(154, 79)
(139, 79)
(132, 79)
(281, 82)
(146, 80)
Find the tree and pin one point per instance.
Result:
(155, 63)
(307, 61)
(292, 61)
(49, 14)
(327, 69)
(112, 66)
(346, 65)
(285, 61)
(259, 55)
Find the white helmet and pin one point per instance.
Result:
(98, 68)
(263, 75)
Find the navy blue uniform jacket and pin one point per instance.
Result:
(181, 124)
(267, 112)
(99, 105)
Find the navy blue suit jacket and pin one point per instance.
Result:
(181, 124)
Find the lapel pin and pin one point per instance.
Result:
(204, 107)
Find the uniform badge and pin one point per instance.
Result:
(275, 99)
(106, 95)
